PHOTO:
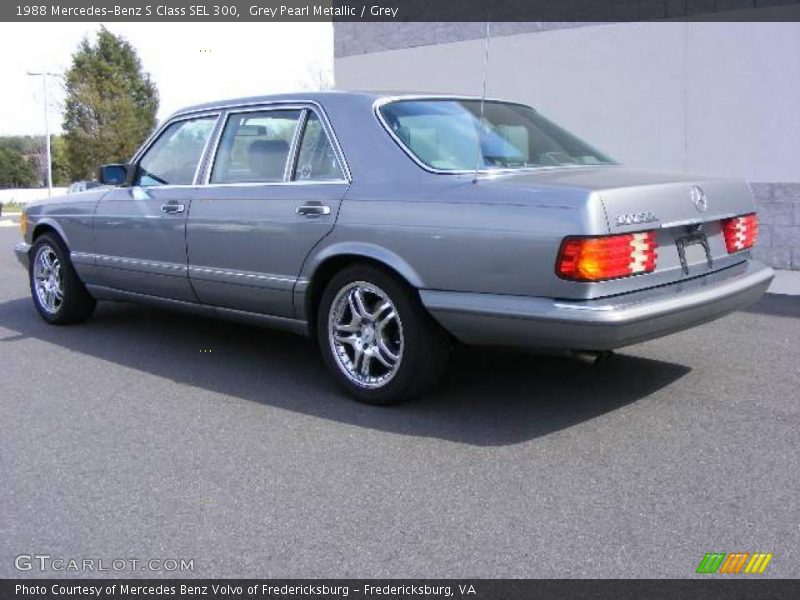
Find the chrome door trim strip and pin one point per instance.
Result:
(214, 274)
(82, 258)
(138, 264)
(236, 277)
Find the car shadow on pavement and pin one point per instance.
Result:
(489, 397)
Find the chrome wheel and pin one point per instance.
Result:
(365, 334)
(47, 279)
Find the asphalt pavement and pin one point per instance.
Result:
(149, 434)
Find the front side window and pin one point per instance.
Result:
(174, 156)
(316, 160)
(255, 147)
(450, 135)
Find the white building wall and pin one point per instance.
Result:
(720, 99)
(715, 98)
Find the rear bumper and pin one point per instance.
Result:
(22, 250)
(603, 324)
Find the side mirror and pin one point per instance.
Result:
(113, 174)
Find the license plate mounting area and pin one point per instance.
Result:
(693, 249)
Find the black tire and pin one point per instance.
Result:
(425, 346)
(76, 304)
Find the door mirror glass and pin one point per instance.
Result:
(255, 147)
(174, 157)
(112, 174)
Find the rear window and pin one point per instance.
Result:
(450, 135)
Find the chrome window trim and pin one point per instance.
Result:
(226, 118)
(263, 183)
(302, 105)
(381, 102)
(148, 143)
(278, 104)
(291, 164)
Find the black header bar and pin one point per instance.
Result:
(710, 588)
(398, 10)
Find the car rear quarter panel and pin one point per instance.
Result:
(448, 233)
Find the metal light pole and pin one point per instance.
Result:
(44, 75)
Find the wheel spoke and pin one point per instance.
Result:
(355, 319)
(347, 327)
(384, 357)
(357, 356)
(358, 300)
(47, 260)
(384, 349)
(347, 339)
(386, 320)
(365, 364)
(381, 309)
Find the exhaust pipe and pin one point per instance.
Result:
(590, 357)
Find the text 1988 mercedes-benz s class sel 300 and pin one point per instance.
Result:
(389, 227)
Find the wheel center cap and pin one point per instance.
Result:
(368, 334)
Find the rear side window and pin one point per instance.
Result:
(457, 135)
(316, 160)
(255, 147)
(174, 156)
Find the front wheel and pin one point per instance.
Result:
(58, 293)
(376, 339)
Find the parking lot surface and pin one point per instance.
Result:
(150, 434)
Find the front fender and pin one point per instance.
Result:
(36, 223)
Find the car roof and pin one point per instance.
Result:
(319, 97)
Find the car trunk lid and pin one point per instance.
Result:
(685, 212)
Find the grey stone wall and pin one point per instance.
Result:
(779, 224)
(352, 38)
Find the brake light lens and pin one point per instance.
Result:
(607, 257)
(740, 232)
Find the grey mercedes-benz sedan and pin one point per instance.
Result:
(390, 227)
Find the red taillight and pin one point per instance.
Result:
(740, 232)
(607, 257)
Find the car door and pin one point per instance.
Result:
(273, 190)
(140, 229)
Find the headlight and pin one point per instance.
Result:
(23, 223)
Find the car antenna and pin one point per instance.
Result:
(483, 99)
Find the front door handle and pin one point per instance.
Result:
(314, 209)
(172, 208)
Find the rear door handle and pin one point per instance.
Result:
(313, 209)
(172, 208)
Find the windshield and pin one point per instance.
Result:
(444, 135)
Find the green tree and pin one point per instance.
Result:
(16, 170)
(58, 151)
(110, 106)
